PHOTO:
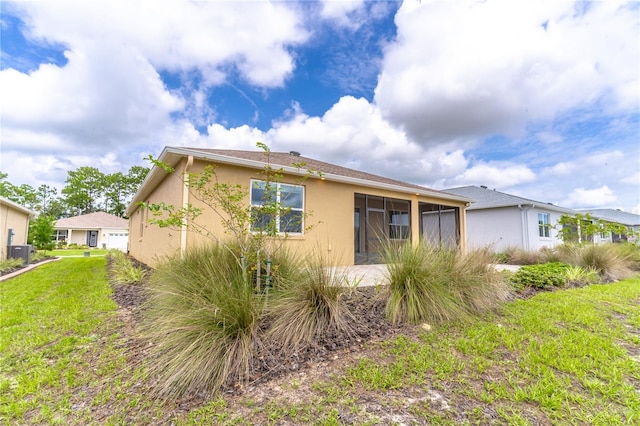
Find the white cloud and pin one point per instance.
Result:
(109, 99)
(585, 198)
(182, 36)
(485, 67)
(339, 10)
(499, 175)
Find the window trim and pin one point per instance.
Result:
(544, 227)
(278, 186)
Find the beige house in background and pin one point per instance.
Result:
(351, 210)
(95, 230)
(14, 226)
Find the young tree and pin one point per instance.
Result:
(580, 228)
(41, 232)
(259, 230)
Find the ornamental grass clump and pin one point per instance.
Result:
(480, 286)
(610, 262)
(309, 305)
(202, 321)
(123, 269)
(420, 284)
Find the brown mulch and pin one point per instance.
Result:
(269, 363)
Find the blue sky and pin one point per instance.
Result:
(538, 99)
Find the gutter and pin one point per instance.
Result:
(524, 208)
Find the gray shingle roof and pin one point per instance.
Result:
(617, 216)
(484, 198)
(97, 220)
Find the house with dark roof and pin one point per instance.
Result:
(502, 220)
(630, 220)
(14, 226)
(351, 211)
(95, 230)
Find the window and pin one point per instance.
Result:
(288, 201)
(543, 225)
(398, 225)
(60, 235)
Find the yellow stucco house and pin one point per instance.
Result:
(351, 210)
(14, 227)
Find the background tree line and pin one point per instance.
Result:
(87, 190)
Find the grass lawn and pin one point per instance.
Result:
(563, 357)
(77, 252)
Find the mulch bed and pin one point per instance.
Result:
(268, 362)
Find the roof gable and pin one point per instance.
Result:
(97, 220)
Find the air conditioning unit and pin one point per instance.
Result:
(20, 252)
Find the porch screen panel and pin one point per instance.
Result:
(448, 228)
(431, 227)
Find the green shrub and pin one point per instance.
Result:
(308, 305)
(435, 284)
(576, 275)
(123, 269)
(202, 319)
(541, 276)
(9, 265)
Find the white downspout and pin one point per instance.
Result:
(525, 225)
(185, 203)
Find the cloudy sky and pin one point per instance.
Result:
(538, 99)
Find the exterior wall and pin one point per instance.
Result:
(499, 228)
(329, 207)
(16, 220)
(508, 227)
(535, 241)
(148, 242)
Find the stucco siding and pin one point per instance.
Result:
(536, 242)
(498, 228)
(328, 205)
(148, 242)
(17, 221)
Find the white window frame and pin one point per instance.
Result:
(544, 227)
(278, 187)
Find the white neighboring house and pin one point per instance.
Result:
(630, 220)
(14, 225)
(504, 221)
(99, 230)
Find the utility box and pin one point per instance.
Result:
(20, 252)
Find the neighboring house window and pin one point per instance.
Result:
(60, 235)
(543, 225)
(289, 200)
(398, 225)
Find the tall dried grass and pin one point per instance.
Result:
(437, 283)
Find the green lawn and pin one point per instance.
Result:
(564, 357)
(77, 252)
